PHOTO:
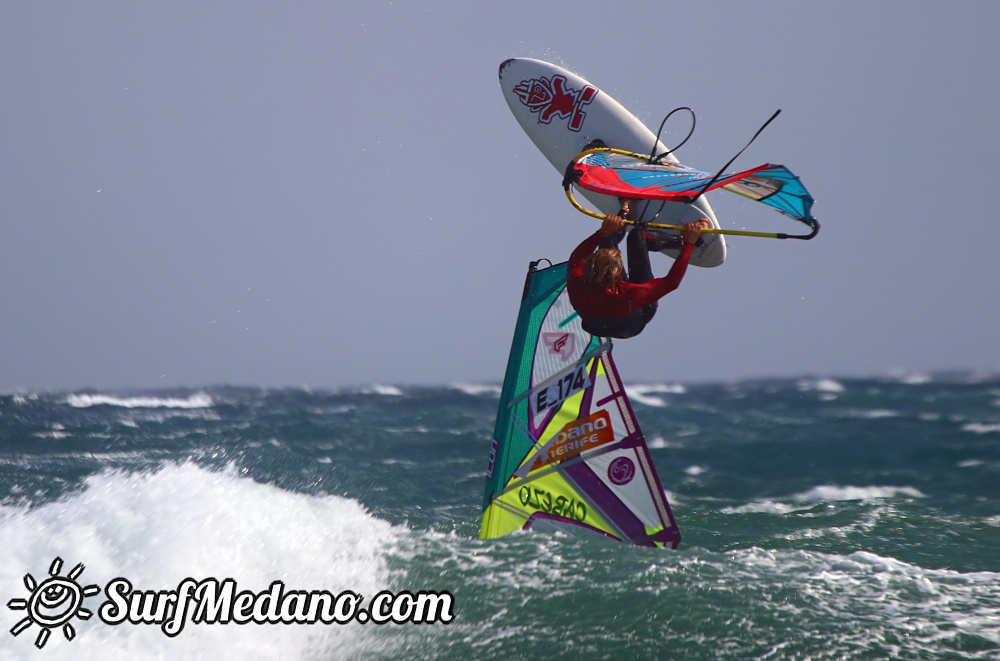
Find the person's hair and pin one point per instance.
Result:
(605, 268)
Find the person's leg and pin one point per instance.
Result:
(639, 269)
(613, 240)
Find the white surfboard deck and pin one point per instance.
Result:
(561, 112)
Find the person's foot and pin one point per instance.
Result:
(625, 211)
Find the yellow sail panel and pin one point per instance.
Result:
(547, 499)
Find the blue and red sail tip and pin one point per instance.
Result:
(623, 174)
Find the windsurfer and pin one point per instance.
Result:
(612, 303)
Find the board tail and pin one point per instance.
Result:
(567, 450)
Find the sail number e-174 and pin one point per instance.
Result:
(561, 389)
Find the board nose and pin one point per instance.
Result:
(505, 64)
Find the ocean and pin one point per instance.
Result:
(821, 519)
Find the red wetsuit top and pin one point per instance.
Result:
(623, 300)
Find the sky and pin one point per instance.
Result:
(325, 195)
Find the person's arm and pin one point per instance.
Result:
(654, 290)
(657, 288)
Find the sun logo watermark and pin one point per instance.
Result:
(53, 603)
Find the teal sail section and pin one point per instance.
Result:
(541, 288)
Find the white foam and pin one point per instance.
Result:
(647, 393)
(867, 601)
(923, 606)
(829, 493)
(378, 389)
(419, 429)
(58, 432)
(670, 389)
(195, 401)
(872, 414)
(761, 507)
(821, 385)
(185, 521)
(657, 443)
(477, 390)
(979, 428)
(824, 494)
(332, 410)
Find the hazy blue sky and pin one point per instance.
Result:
(328, 193)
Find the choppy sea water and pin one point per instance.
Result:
(821, 519)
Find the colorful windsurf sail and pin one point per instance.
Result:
(567, 450)
(626, 174)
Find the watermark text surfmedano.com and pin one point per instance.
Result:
(211, 601)
(53, 603)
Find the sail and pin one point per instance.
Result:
(622, 174)
(567, 449)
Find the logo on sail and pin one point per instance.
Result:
(621, 471)
(578, 436)
(561, 344)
